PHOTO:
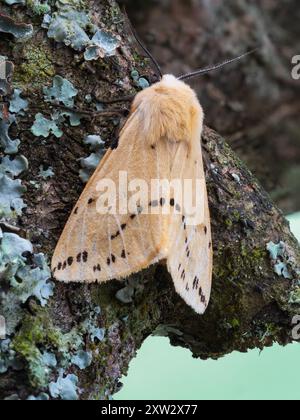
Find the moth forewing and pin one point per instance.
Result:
(160, 142)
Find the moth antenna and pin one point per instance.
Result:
(146, 51)
(215, 67)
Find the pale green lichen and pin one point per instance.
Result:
(36, 68)
(38, 7)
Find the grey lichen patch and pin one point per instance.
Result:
(40, 397)
(34, 282)
(43, 127)
(82, 359)
(21, 278)
(65, 388)
(13, 166)
(103, 44)
(17, 103)
(18, 30)
(89, 164)
(46, 173)
(69, 26)
(11, 203)
(10, 146)
(12, 2)
(72, 25)
(140, 82)
(62, 91)
(134, 285)
(8, 358)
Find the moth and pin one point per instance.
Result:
(161, 140)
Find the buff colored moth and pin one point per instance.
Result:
(103, 240)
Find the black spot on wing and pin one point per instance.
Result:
(202, 296)
(196, 283)
(115, 236)
(162, 201)
(70, 261)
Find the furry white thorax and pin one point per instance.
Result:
(171, 80)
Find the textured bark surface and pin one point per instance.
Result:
(251, 305)
(253, 104)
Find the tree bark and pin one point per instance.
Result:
(253, 302)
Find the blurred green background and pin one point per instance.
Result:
(161, 371)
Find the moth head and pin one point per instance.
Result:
(170, 108)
